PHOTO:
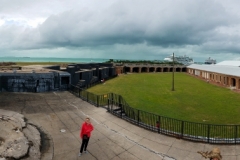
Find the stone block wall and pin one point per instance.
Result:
(27, 82)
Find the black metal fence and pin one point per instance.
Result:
(200, 132)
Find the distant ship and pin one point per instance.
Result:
(210, 61)
(185, 60)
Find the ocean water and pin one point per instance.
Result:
(52, 59)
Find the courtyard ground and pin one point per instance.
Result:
(60, 114)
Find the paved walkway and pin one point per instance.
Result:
(112, 138)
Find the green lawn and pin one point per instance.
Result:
(193, 99)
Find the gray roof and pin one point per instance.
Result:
(229, 63)
(64, 74)
(222, 69)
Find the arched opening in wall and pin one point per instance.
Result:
(158, 69)
(210, 76)
(165, 69)
(178, 69)
(184, 69)
(197, 72)
(151, 69)
(135, 69)
(127, 69)
(233, 82)
(170, 69)
(239, 84)
(37, 83)
(65, 80)
(144, 69)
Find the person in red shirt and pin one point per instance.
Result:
(85, 134)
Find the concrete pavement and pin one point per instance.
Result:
(60, 114)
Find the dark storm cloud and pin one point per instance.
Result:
(180, 24)
(193, 27)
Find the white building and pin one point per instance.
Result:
(226, 73)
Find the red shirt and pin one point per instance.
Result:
(86, 129)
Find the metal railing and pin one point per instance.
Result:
(199, 132)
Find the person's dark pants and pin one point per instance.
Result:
(84, 144)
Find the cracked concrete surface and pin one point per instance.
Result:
(18, 139)
(112, 138)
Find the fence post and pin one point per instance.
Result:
(120, 105)
(208, 136)
(112, 102)
(119, 101)
(138, 117)
(87, 96)
(236, 134)
(121, 109)
(182, 129)
(108, 105)
(112, 99)
(97, 100)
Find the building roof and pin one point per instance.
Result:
(24, 71)
(64, 74)
(229, 63)
(222, 69)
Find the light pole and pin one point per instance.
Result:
(173, 73)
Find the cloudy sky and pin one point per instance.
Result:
(120, 29)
